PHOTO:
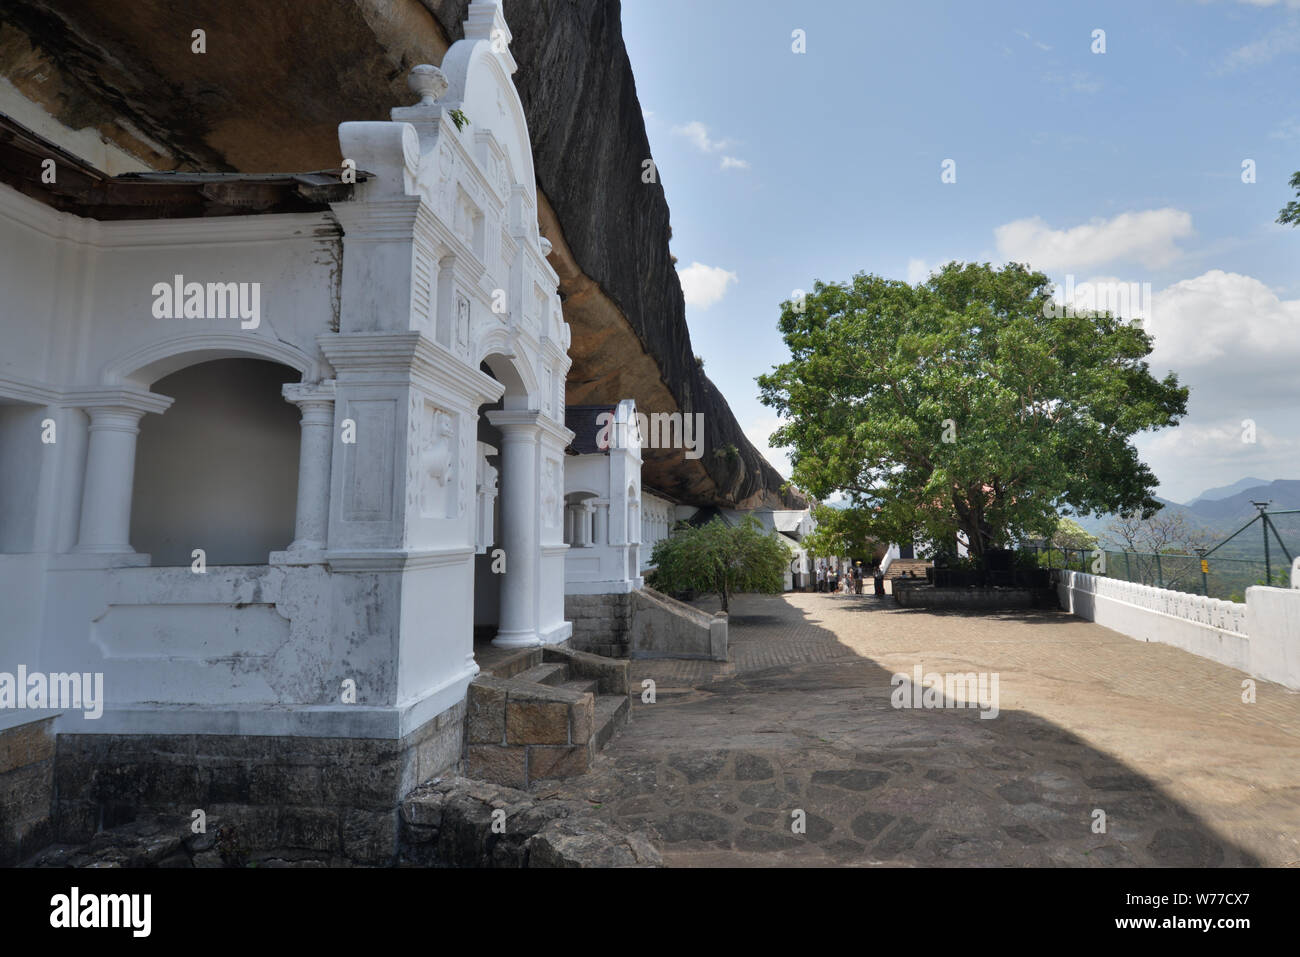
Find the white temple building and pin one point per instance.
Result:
(270, 472)
(386, 371)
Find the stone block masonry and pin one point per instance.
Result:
(601, 623)
(546, 721)
(518, 731)
(26, 789)
(291, 798)
(644, 624)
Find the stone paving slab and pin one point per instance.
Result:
(800, 720)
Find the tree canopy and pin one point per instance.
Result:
(717, 558)
(965, 403)
(1069, 534)
(1290, 215)
(840, 532)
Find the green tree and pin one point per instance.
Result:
(840, 532)
(717, 558)
(966, 402)
(1069, 534)
(1290, 215)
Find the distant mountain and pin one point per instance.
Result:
(1100, 526)
(1283, 494)
(1219, 517)
(1226, 491)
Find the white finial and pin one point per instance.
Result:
(428, 81)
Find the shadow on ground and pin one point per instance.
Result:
(799, 728)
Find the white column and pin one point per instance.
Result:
(314, 459)
(520, 534)
(110, 468)
(600, 524)
(582, 520)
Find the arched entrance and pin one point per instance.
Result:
(506, 576)
(219, 469)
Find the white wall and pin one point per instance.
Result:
(1273, 623)
(1260, 637)
(21, 452)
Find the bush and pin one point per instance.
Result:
(721, 559)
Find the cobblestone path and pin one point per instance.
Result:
(800, 720)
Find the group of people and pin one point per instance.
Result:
(830, 578)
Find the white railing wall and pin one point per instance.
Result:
(1260, 637)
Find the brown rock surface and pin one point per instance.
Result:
(276, 81)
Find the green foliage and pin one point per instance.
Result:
(721, 559)
(1068, 534)
(1042, 407)
(459, 118)
(840, 531)
(1290, 215)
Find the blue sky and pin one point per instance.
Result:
(1124, 166)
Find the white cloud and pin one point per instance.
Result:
(918, 271)
(704, 285)
(1233, 326)
(698, 134)
(1193, 457)
(731, 162)
(1149, 237)
(1037, 43)
(1287, 129)
(1236, 345)
(1279, 41)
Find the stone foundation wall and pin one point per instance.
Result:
(26, 789)
(921, 595)
(602, 624)
(290, 798)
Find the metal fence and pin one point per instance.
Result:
(1226, 578)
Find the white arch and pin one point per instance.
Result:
(148, 364)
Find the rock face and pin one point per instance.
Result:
(278, 79)
(611, 231)
(461, 822)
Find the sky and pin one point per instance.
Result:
(1123, 166)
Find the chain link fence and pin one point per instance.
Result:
(1226, 578)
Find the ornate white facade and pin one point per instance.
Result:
(383, 339)
(603, 512)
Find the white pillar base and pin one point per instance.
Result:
(516, 639)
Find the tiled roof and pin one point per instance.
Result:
(581, 420)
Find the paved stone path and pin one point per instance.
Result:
(800, 720)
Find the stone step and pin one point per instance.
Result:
(581, 684)
(555, 674)
(612, 712)
(507, 664)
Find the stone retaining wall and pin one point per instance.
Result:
(332, 800)
(601, 623)
(26, 789)
(664, 627)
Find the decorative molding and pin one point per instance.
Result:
(135, 400)
(126, 367)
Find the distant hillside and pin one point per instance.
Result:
(1100, 526)
(1220, 516)
(1214, 494)
(1283, 494)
